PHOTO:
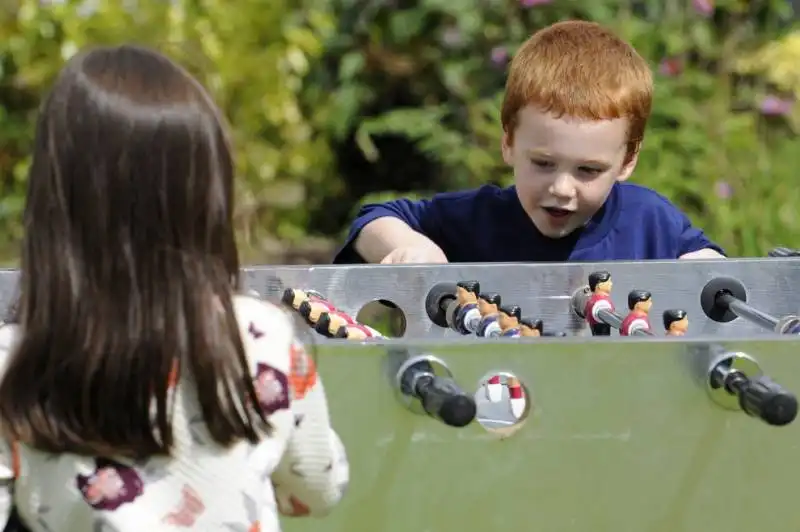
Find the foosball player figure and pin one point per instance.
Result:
(467, 316)
(312, 309)
(326, 325)
(639, 304)
(334, 325)
(489, 307)
(600, 285)
(676, 322)
(310, 305)
(295, 297)
(530, 327)
(516, 397)
(508, 318)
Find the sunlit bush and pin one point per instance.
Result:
(253, 55)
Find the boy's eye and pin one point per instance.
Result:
(542, 164)
(588, 170)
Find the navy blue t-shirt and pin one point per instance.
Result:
(489, 224)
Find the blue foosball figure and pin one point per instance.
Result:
(467, 317)
(508, 320)
(489, 307)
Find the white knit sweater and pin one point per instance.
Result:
(300, 469)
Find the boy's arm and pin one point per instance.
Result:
(381, 228)
(384, 235)
(694, 244)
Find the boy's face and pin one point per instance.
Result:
(564, 168)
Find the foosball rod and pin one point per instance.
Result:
(303, 305)
(443, 307)
(782, 252)
(724, 299)
(605, 314)
(614, 320)
(745, 311)
(439, 396)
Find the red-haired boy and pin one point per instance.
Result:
(576, 105)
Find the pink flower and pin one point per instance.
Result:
(774, 106)
(670, 67)
(723, 190)
(704, 7)
(499, 55)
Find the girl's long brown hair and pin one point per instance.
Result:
(129, 263)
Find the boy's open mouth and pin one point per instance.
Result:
(555, 212)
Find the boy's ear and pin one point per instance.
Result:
(505, 147)
(629, 167)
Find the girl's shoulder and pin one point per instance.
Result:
(249, 308)
(265, 328)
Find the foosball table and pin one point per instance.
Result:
(655, 396)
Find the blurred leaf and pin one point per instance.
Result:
(351, 65)
(407, 24)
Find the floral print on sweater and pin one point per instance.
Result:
(300, 469)
(110, 485)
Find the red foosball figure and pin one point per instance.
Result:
(530, 327)
(676, 322)
(639, 304)
(335, 325)
(310, 305)
(494, 389)
(516, 397)
(296, 297)
(311, 310)
(600, 285)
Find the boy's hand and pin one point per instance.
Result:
(703, 254)
(430, 254)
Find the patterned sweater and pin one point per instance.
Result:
(300, 469)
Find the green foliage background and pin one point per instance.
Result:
(333, 103)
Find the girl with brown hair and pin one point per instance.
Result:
(139, 391)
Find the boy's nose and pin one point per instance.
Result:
(563, 187)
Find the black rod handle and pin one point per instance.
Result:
(762, 398)
(440, 396)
